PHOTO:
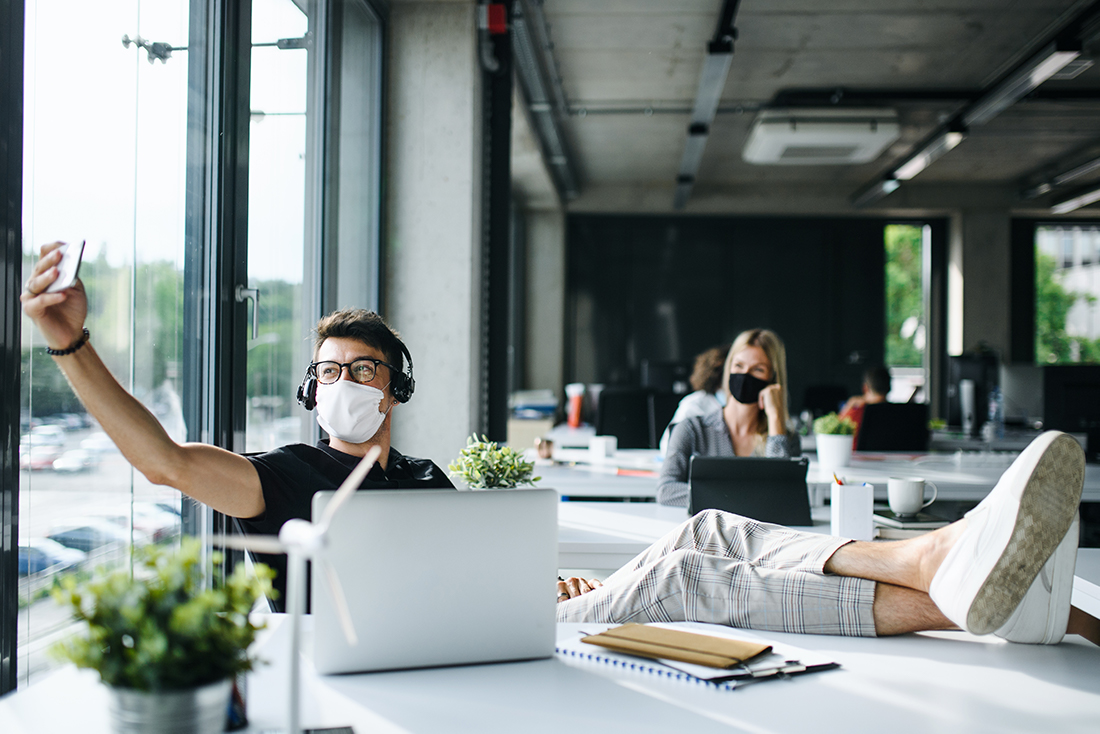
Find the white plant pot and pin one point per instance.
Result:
(191, 711)
(833, 451)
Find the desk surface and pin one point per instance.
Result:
(966, 477)
(943, 682)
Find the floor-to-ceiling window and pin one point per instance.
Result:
(104, 163)
(1067, 293)
(907, 267)
(112, 158)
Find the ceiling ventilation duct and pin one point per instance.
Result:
(819, 137)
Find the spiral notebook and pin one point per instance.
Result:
(782, 662)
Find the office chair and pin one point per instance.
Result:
(822, 399)
(894, 427)
(624, 412)
(662, 407)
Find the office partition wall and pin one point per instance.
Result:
(664, 288)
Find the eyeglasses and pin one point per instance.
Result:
(362, 370)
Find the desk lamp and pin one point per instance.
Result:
(301, 540)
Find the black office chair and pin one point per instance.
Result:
(663, 407)
(822, 399)
(624, 412)
(894, 427)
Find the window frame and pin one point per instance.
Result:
(215, 323)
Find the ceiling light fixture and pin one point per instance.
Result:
(1075, 203)
(712, 82)
(931, 151)
(1025, 79)
(875, 191)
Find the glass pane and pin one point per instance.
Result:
(1067, 294)
(103, 162)
(905, 317)
(276, 222)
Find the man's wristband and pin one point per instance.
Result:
(79, 343)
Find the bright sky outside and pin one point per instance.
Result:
(105, 133)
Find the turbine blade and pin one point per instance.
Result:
(340, 602)
(358, 474)
(257, 543)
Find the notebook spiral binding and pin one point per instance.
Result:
(646, 668)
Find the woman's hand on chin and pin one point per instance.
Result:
(771, 402)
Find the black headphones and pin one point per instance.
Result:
(402, 384)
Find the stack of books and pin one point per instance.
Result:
(896, 527)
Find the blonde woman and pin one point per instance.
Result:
(752, 423)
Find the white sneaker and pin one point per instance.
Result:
(1042, 616)
(1010, 535)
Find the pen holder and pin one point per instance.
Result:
(851, 508)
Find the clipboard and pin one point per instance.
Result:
(685, 647)
(779, 663)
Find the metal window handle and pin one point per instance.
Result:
(243, 294)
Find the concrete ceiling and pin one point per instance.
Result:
(630, 70)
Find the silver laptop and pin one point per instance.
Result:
(439, 578)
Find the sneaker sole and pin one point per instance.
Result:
(1054, 612)
(1049, 503)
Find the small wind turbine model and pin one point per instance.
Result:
(302, 541)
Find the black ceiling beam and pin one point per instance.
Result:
(712, 82)
(859, 97)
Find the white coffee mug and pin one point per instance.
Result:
(906, 495)
(603, 447)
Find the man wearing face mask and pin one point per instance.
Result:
(753, 421)
(355, 381)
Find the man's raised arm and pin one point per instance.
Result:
(221, 479)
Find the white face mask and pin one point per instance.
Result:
(349, 411)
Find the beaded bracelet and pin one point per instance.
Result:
(79, 343)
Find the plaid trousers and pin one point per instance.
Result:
(726, 569)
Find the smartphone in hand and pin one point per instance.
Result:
(68, 268)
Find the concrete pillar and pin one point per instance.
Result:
(545, 330)
(986, 291)
(432, 237)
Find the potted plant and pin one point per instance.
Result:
(167, 647)
(833, 438)
(486, 465)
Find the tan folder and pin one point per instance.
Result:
(686, 647)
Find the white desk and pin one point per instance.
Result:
(965, 478)
(942, 682)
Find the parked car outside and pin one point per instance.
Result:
(37, 457)
(40, 554)
(98, 443)
(47, 435)
(148, 518)
(75, 460)
(91, 533)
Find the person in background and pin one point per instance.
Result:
(752, 423)
(706, 381)
(876, 385)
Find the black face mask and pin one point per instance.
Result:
(745, 389)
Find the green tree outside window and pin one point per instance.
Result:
(904, 296)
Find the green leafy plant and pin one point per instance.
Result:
(835, 425)
(485, 465)
(159, 628)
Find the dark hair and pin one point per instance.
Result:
(707, 373)
(878, 379)
(365, 326)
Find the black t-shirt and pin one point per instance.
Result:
(291, 475)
